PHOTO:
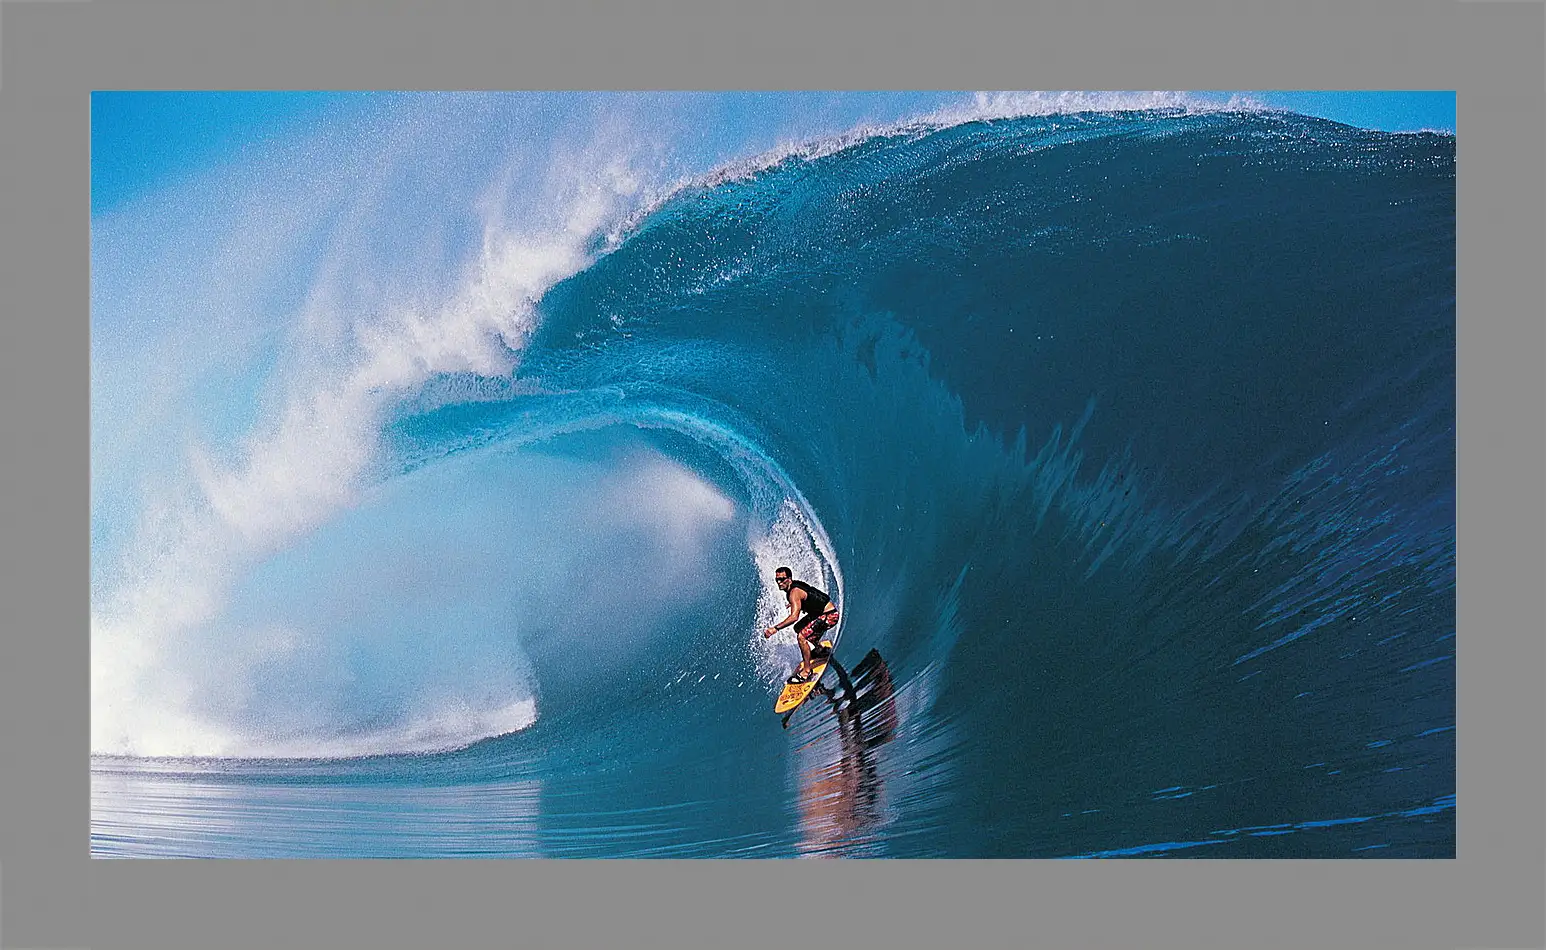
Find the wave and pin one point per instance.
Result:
(1122, 427)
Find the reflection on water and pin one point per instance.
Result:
(841, 801)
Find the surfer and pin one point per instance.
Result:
(813, 612)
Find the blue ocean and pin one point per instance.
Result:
(441, 468)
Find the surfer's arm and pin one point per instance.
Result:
(796, 596)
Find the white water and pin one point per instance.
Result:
(202, 498)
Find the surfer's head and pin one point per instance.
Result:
(783, 577)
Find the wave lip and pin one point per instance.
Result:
(1020, 105)
(979, 107)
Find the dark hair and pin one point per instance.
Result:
(784, 570)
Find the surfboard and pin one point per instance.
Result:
(795, 693)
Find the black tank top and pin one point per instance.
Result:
(815, 604)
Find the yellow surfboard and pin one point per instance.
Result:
(795, 693)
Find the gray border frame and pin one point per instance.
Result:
(55, 53)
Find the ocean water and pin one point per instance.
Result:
(434, 518)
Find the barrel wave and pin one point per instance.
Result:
(1125, 441)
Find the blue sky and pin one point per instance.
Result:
(141, 141)
(1386, 111)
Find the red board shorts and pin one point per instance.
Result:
(819, 625)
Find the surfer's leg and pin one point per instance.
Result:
(803, 669)
(816, 630)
